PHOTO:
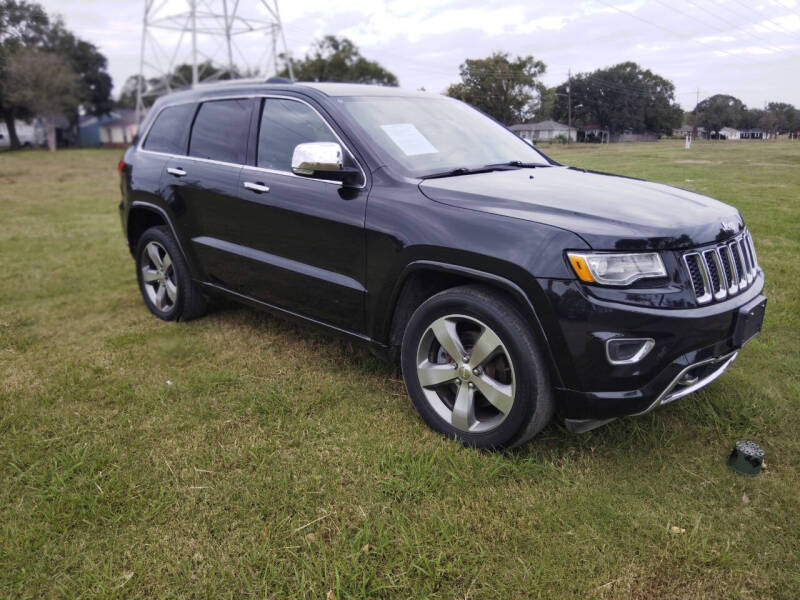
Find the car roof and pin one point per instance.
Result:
(259, 86)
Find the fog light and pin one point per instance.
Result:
(626, 351)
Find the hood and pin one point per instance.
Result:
(610, 212)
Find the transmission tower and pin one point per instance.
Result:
(218, 39)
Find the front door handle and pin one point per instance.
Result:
(177, 171)
(259, 188)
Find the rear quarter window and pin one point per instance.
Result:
(220, 131)
(170, 129)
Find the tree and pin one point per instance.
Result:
(779, 117)
(621, 97)
(338, 59)
(21, 25)
(46, 84)
(547, 103)
(26, 25)
(94, 83)
(719, 111)
(508, 90)
(751, 118)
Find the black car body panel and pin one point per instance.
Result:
(608, 211)
(342, 255)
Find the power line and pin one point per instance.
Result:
(734, 25)
(667, 29)
(766, 18)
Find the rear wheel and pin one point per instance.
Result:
(474, 370)
(164, 280)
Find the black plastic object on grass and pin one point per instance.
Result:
(746, 458)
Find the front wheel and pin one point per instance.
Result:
(474, 369)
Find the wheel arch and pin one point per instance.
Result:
(422, 279)
(141, 217)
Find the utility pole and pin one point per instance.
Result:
(569, 106)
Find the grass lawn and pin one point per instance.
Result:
(244, 456)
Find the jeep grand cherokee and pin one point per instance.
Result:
(510, 287)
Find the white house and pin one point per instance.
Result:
(729, 133)
(544, 131)
(29, 134)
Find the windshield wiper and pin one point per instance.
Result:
(506, 166)
(520, 164)
(461, 171)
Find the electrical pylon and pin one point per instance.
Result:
(208, 35)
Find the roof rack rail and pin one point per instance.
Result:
(224, 82)
(278, 80)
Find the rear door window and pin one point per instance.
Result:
(220, 131)
(284, 125)
(170, 129)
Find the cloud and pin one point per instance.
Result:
(424, 41)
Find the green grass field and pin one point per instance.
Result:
(244, 456)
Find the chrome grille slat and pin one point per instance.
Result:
(719, 286)
(733, 283)
(723, 270)
(752, 250)
(698, 272)
(745, 260)
(737, 258)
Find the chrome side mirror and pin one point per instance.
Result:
(324, 160)
(313, 158)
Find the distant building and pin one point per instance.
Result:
(544, 131)
(115, 129)
(729, 133)
(29, 134)
(631, 136)
(751, 134)
(695, 132)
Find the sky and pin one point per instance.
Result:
(747, 48)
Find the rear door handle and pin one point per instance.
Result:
(177, 171)
(259, 188)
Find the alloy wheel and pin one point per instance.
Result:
(466, 373)
(158, 277)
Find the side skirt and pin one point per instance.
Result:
(283, 312)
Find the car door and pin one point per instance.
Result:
(202, 187)
(300, 240)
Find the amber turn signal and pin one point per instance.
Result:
(581, 268)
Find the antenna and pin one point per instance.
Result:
(206, 35)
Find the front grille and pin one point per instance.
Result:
(722, 270)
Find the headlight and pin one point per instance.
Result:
(616, 269)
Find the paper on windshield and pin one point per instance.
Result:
(409, 139)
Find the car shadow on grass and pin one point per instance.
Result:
(653, 433)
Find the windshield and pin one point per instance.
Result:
(423, 136)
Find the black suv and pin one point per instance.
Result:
(509, 286)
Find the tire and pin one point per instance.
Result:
(164, 280)
(503, 361)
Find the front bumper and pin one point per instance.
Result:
(692, 348)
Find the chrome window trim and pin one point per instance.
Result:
(143, 138)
